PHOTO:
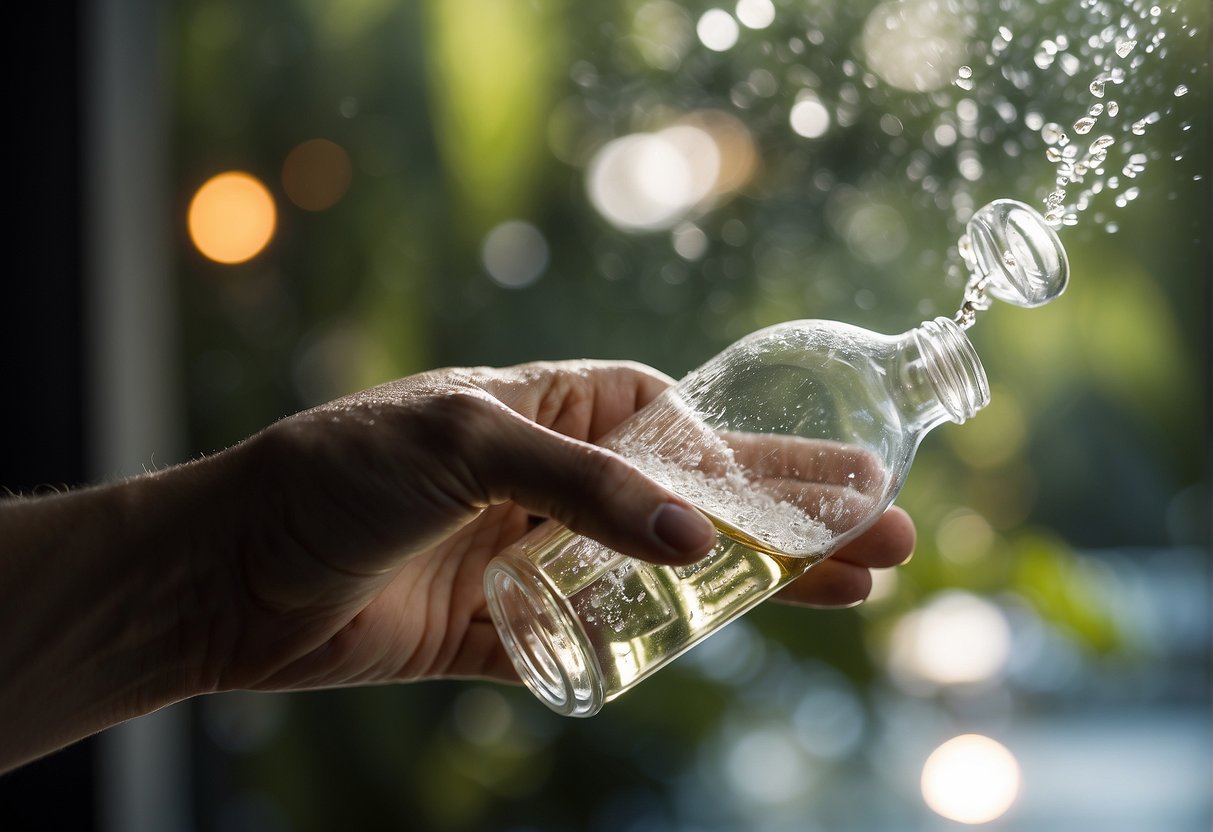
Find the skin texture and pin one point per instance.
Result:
(344, 545)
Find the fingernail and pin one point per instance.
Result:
(682, 529)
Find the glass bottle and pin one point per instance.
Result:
(794, 440)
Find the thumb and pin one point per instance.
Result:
(589, 489)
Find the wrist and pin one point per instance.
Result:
(109, 594)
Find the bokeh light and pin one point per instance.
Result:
(916, 45)
(316, 174)
(809, 118)
(971, 779)
(515, 254)
(232, 217)
(650, 180)
(717, 30)
(766, 766)
(956, 638)
(756, 14)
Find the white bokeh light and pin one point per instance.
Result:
(515, 254)
(809, 118)
(717, 30)
(971, 779)
(756, 14)
(649, 181)
(765, 766)
(915, 45)
(956, 638)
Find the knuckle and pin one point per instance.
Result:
(605, 474)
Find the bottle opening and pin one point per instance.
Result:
(542, 639)
(953, 367)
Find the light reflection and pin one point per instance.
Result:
(689, 241)
(482, 716)
(765, 766)
(915, 45)
(809, 118)
(515, 254)
(649, 181)
(662, 34)
(956, 638)
(756, 14)
(717, 30)
(971, 779)
(963, 537)
(316, 174)
(232, 217)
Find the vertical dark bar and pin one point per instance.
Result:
(41, 338)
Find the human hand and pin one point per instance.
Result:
(343, 545)
(367, 523)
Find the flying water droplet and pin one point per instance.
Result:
(1097, 87)
(1124, 47)
(1095, 109)
(1181, 90)
(1084, 125)
(1052, 133)
(1113, 108)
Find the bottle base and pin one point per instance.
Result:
(542, 638)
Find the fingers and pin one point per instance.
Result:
(845, 578)
(582, 399)
(589, 489)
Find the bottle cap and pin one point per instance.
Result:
(1017, 254)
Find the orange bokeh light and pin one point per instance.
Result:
(316, 174)
(232, 217)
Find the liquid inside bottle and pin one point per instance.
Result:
(794, 441)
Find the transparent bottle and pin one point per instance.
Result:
(794, 440)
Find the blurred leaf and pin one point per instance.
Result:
(1065, 591)
(493, 64)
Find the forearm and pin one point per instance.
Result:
(101, 607)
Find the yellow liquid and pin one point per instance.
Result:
(638, 616)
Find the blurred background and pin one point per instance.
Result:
(228, 212)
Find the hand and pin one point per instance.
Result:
(370, 520)
(343, 545)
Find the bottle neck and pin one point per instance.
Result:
(941, 377)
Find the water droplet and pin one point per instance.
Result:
(1095, 109)
(1069, 64)
(1053, 218)
(1070, 219)
(1084, 125)
(1043, 59)
(1052, 154)
(1139, 127)
(1102, 142)
(1124, 47)
(1181, 90)
(1052, 133)
(1111, 228)
(965, 72)
(964, 83)
(1113, 108)
(1097, 87)
(1009, 259)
